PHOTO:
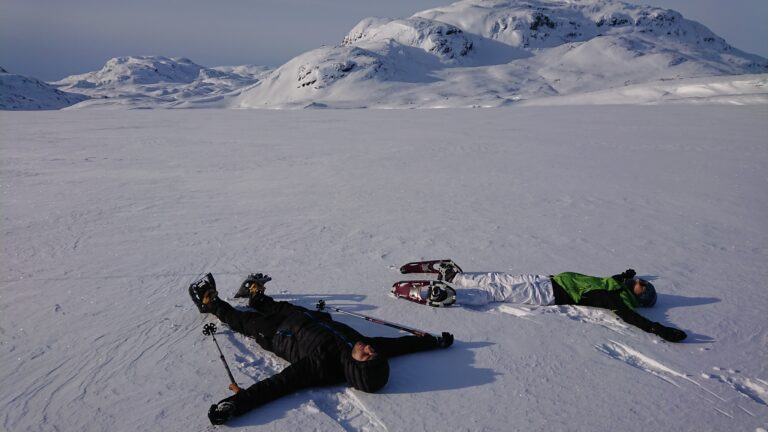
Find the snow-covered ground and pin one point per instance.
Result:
(106, 218)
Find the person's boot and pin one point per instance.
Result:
(253, 285)
(440, 294)
(203, 293)
(437, 294)
(447, 270)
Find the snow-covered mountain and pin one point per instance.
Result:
(19, 92)
(493, 52)
(150, 81)
(472, 53)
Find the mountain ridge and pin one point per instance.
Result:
(471, 53)
(157, 81)
(491, 53)
(22, 93)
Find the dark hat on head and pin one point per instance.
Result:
(368, 376)
(648, 297)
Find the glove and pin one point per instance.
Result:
(252, 285)
(629, 274)
(670, 334)
(221, 412)
(445, 340)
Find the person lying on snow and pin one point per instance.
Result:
(621, 293)
(321, 351)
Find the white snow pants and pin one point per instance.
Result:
(476, 289)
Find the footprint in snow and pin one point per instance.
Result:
(754, 389)
(348, 410)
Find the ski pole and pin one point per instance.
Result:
(321, 306)
(210, 329)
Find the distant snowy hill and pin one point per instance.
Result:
(727, 90)
(157, 81)
(491, 53)
(472, 53)
(22, 93)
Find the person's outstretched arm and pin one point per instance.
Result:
(628, 274)
(612, 300)
(298, 375)
(391, 347)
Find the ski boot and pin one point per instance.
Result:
(203, 293)
(253, 285)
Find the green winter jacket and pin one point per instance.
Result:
(576, 285)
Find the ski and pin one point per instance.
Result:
(426, 292)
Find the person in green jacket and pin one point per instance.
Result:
(621, 293)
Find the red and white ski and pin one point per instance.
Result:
(425, 266)
(426, 292)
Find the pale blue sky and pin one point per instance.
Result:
(50, 39)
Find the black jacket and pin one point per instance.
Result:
(317, 347)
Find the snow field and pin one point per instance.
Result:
(107, 217)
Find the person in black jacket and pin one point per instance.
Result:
(321, 351)
(621, 293)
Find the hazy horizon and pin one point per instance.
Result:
(50, 40)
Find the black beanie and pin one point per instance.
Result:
(368, 376)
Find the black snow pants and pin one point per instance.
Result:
(260, 324)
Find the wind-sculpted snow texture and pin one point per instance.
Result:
(492, 53)
(107, 217)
